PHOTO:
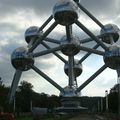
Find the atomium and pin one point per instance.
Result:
(66, 13)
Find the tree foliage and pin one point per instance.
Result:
(113, 102)
(3, 95)
(25, 96)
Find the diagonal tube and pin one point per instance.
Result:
(52, 40)
(92, 50)
(86, 40)
(43, 36)
(56, 54)
(91, 78)
(91, 35)
(46, 52)
(45, 23)
(71, 71)
(88, 54)
(47, 78)
(90, 15)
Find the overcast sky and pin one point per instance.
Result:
(17, 15)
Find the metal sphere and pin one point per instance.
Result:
(70, 47)
(21, 60)
(65, 12)
(77, 68)
(70, 98)
(112, 57)
(110, 29)
(69, 92)
(32, 32)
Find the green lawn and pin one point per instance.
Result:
(28, 118)
(24, 118)
(47, 118)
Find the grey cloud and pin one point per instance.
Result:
(6, 70)
(102, 8)
(97, 7)
(39, 6)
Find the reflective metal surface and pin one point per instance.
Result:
(112, 57)
(70, 47)
(110, 29)
(21, 60)
(65, 12)
(77, 68)
(69, 92)
(32, 32)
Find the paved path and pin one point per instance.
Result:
(86, 117)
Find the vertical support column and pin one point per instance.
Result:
(70, 57)
(106, 95)
(71, 71)
(118, 82)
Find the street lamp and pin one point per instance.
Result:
(106, 95)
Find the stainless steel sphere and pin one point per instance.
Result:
(77, 68)
(70, 98)
(69, 92)
(21, 60)
(110, 29)
(65, 12)
(70, 47)
(112, 57)
(32, 32)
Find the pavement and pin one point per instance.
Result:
(87, 117)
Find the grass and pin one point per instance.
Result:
(47, 118)
(23, 118)
(28, 118)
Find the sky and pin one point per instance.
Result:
(17, 15)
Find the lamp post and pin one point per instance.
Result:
(106, 94)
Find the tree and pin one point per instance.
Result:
(3, 96)
(24, 96)
(113, 102)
